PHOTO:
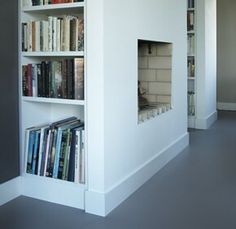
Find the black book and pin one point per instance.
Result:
(70, 74)
(47, 80)
(40, 80)
(24, 80)
(43, 77)
(71, 170)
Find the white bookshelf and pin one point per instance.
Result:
(38, 110)
(191, 62)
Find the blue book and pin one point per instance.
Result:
(35, 151)
(30, 151)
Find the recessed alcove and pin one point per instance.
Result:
(154, 78)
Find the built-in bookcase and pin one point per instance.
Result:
(44, 40)
(191, 61)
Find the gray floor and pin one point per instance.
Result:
(197, 190)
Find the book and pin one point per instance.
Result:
(79, 78)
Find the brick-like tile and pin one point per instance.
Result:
(163, 75)
(160, 62)
(143, 62)
(164, 50)
(160, 88)
(147, 75)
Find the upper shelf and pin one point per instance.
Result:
(191, 9)
(53, 100)
(43, 54)
(53, 7)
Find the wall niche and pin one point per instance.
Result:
(154, 78)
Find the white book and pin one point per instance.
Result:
(29, 36)
(58, 38)
(42, 133)
(50, 32)
(54, 34)
(82, 159)
(37, 36)
(77, 155)
(45, 36)
(47, 152)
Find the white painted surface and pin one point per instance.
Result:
(10, 190)
(206, 60)
(53, 190)
(226, 106)
(106, 202)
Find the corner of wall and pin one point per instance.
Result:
(205, 123)
(10, 190)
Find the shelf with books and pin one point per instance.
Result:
(191, 61)
(53, 88)
(53, 100)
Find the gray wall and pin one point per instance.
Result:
(9, 159)
(226, 51)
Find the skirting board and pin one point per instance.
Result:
(226, 106)
(205, 123)
(10, 190)
(103, 203)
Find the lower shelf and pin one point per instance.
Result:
(191, 121)
(54, 190)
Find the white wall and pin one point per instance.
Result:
(226, 44)
(206, 63)
(128, 146)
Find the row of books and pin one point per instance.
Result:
(56, 34)
(190, 20)
(191, 4)
(46, 2)
(191, 67)
(191, 103)
(191, 44)
(54, 79)
(56, 150)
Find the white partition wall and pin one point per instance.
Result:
(122, 153)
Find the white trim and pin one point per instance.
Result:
(10, 190)
(205, 123)
(226, 106)
(102, 203)
(191, 121)
(53, 190)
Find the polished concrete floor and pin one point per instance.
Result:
(196, 190)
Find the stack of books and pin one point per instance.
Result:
(54, 79)
(65, 33)
(46, 2)
(57, 150)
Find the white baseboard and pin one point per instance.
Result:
(10, 190)
(226, 106)
(205, 123)
(103, 203)
(53, 190)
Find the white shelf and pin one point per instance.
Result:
(53, 7)
(191, 78)
(54, 190)
(64, 53)
(53, 100)
(191, 32)
(191, 121)
(191, 9)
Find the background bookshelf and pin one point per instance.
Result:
(35, 110)
(191, 62)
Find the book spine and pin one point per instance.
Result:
(79, 78)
